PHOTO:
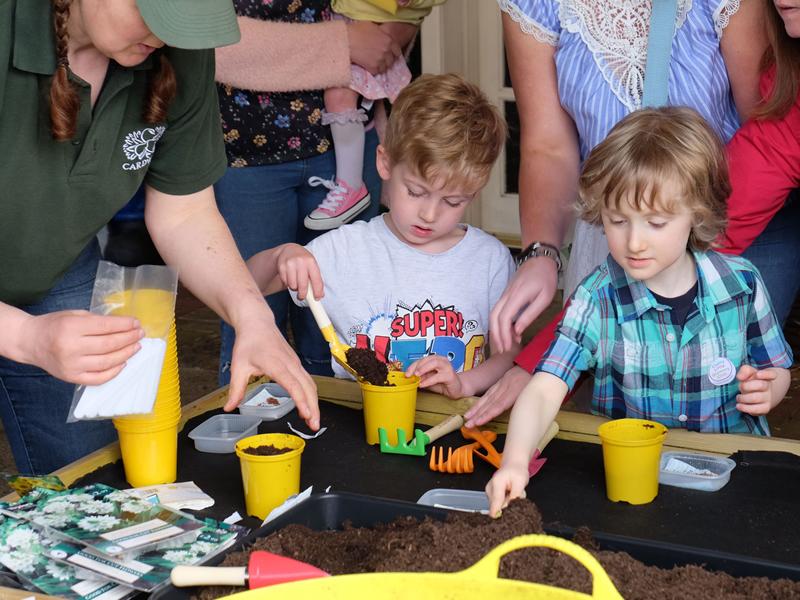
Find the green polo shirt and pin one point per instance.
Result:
(54, 196)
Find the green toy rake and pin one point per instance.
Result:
(416, 447)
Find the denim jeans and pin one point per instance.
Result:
(776, 254)
(34, 404)
(264, 207)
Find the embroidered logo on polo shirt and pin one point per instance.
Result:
(139, 146)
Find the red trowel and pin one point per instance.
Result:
(263, 569)
(537, 461)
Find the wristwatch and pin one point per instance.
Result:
(540, 249)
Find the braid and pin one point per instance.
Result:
(64, 99)
(161, 91)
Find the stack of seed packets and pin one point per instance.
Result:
(105, 533)
(24, 550)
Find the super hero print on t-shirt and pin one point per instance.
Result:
(409, 333)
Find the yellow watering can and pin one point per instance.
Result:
(478, 582)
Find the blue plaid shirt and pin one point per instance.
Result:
(646, 367)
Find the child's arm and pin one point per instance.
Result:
(534, 410)
(286, 266)
(437, 374)
(761, 391)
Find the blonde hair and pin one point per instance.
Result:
(648, 148)
(443, 126)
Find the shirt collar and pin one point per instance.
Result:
(34, 39)
(717, 283)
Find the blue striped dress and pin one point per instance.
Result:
(601, 49)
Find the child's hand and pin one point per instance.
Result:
(507, 483)
(756, 395)
(435, 370)
(297, 267)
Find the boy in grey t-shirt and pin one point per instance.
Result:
(415, 284)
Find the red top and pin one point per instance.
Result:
(764, 164)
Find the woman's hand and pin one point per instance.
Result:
(498, 398)
(371, 46)
(529, 292)
(77, 346)
(261, 349)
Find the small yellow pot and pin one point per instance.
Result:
(269, 480)
(631, 453)
(390, 407)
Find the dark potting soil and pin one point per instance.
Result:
(265, 450)
(459, 542)
(369, 367)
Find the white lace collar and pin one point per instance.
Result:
(616, 34)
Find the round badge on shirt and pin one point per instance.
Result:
(721, 371)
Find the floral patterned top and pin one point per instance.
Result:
(263, 128)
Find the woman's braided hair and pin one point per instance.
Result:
(64, 99)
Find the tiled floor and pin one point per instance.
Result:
(198, 348)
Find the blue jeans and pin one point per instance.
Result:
(265, 207)
(34, 404)
(776, 254)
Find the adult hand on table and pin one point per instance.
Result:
(530, 291)
(77, 346)
(498, 398)
(371, 46)
(260, 349)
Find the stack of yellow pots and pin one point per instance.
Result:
(149, 442)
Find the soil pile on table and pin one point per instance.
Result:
(429, 545)
(368, 366)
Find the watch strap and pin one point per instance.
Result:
(535, 249)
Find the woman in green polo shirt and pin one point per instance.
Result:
(97, 97)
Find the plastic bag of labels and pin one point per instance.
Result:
(148, 294)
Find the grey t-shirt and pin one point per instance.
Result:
(404, 303)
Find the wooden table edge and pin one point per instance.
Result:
(433, 408)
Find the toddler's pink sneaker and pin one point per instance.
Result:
(341, 205)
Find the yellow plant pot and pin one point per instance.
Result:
(390, 407)
(269, 480)
(631, 453)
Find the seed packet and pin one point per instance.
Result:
(25, 550)
(150, 570)
(23, 484)
(148, 293)
(103, 518)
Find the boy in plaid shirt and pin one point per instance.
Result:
(674, 332)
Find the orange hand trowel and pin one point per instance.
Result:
(263, 569)
(338, 347)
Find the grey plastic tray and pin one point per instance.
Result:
(220, 433)
(268, 402)
(695, 471)
(466, 500)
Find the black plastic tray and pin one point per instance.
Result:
(331, 510)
